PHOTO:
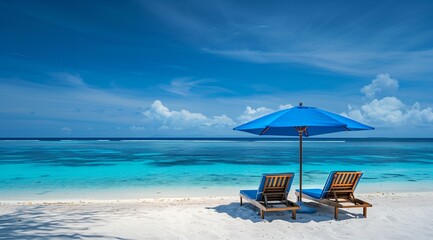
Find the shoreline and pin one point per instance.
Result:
(183, 198)
(108, 194)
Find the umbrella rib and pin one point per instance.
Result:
(264, 130)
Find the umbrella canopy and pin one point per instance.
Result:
(301, 121)
(287, 123)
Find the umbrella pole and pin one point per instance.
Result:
(300, 166)
(303, 208)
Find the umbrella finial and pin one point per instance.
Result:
(300, 104)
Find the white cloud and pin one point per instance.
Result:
(187, 86)
(251, 113)
(66, 129)
(349, 62)
(181, 86)
(388, 110)
(417, 114)
(161, 117)
(383, 84)
(70, 79)
(136, 128)
(285, 106)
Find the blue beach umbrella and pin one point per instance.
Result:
(301, 121)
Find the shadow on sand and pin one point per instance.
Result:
(249, 212)
(35, 222)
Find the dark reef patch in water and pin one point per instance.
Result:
(43, 193)
(391, 175)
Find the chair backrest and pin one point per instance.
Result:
(341, 182)
(275, 182)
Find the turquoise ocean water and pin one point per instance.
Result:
(115, 168)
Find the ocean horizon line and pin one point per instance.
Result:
(254, 139)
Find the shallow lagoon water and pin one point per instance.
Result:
(183, 167)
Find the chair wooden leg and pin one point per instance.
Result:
(364, 212)
(241, 200)
(336, 213)
(294, 214)
(262, 214)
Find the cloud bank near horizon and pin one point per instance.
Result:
(388, 110)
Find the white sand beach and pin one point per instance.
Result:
(393, 216)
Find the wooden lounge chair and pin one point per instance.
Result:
(338, 192)
(272, 194)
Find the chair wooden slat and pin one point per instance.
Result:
(345, 180)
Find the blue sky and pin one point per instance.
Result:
(199, 68)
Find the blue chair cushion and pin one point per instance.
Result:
(313, 192)
(250, 193)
